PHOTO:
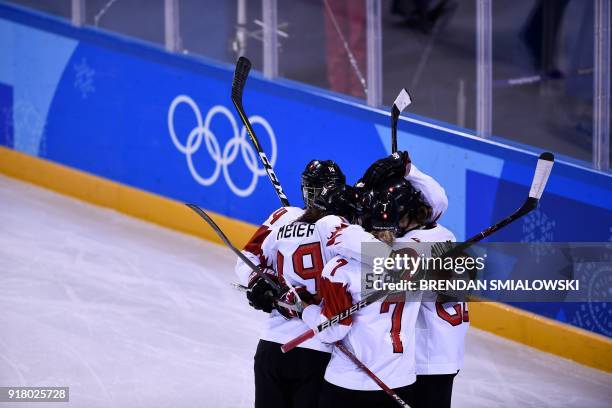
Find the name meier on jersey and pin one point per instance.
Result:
(295, 230)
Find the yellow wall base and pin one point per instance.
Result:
(543, 334)
(129, 200)
(524, 327)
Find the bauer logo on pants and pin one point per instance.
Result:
(222, 157)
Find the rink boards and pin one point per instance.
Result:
(126, 125)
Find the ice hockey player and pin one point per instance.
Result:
(381, 335)
(286, 247)
(442, 323)
(333, 200)
(314, 178)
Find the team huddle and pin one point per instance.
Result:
(412, 341)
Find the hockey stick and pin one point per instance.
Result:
(542, 172)
(243, 66)
(370, 374)
(540, 178)
(401, 102)
(240, 255)
(247, 261)
(279, 289)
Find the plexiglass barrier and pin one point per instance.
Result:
(534, 72)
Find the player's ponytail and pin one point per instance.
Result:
(311, 215)
(421, 214)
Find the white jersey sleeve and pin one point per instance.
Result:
(441, 325)
(253, 250)
(432, 191)
(337, 289)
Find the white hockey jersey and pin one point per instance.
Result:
(279, 237)
(381, 335)
(294, 251)
(432, 191)
(327, 232)
(252, 249)
(339, 238)
(441, 326)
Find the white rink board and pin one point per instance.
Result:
(129, 314)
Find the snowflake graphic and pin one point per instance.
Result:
(84, 78)
(595, 275)
(596, 315)
(538, 229)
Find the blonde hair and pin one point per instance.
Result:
(385, 236)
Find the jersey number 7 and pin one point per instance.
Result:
(396, 324)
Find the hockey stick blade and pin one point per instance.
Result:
(401, 102)
(243, 67)
(542, 172)
(238, 253)
(543, 169)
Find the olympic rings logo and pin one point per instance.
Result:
(222, 158)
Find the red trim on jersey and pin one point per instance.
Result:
(254, 244)
(452, 319)
(339, 264)
(277, 214)
(396, 324)
(337, 232)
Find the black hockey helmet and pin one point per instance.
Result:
(336, 198)
(318, 174)
(363, 199)
(394, 200)
(383, 213)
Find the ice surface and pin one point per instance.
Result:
(129, 314)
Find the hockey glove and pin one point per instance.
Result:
(260, 294)
(306, 298)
